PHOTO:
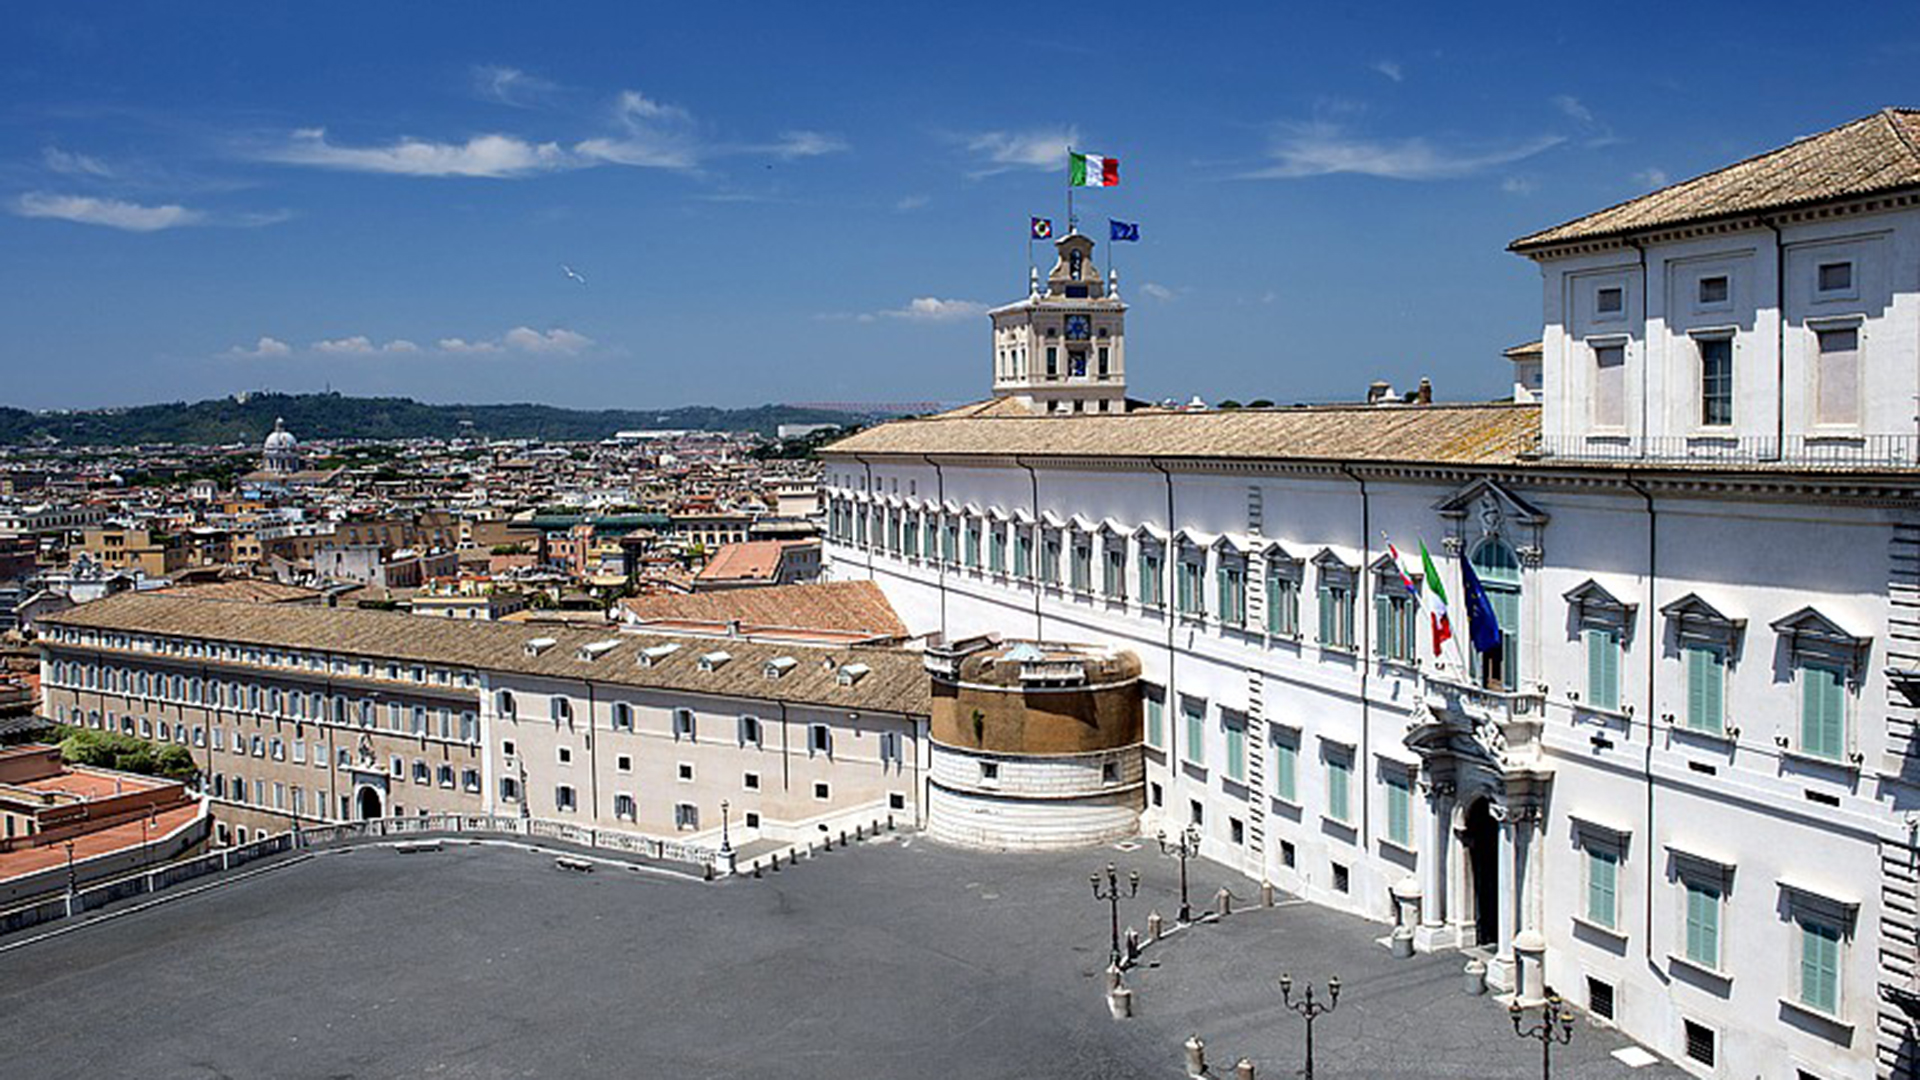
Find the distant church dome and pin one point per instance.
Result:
(282, 450)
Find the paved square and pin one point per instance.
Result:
(895, 958)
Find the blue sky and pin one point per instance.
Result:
(814, 202)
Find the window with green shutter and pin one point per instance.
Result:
(1196, 717)
(1286, 769)
(1603, 869)
(1603, 668)
(1150, 581)
(1706, 688)
(1703, 923)
(997, 551)
(1231, 587)
(1236, 749)
(1283, 603)
(1399, 810)
(1819, 965)
(1022, 555)
(1156, 720)
(1339, 774)
(1191, 597)
(1823, 700)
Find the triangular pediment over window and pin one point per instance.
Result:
(1328, 559)
(1808, 630)
(1694, 617)
(1477, 496)
(1590, 598)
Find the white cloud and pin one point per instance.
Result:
(1389, 68)
(67, 163)
(1651, 178)
(911, 202)
(1518, 185)
(928, 309)
(462, 346)
(654, 135)
(357, 345)
(1004, 151)
(1158, 291)
(399, 345)
(113, 213)
(265, 348)
(1321, 149)
(799, 144)
(493, 156)
(511, 86)
(556, 341)
(1573, 108)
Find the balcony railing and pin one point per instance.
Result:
(1887, 451)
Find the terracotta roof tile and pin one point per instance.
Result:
(1483, 434)
(896, 682)
(1873, 154)
(850, 606)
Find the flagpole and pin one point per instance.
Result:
(1070, 220)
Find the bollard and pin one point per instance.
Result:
(1266, 894)
(1133, 944)
(1402, 942)
(843, 838)
(889, 822)
(756, 868)
(1196, 1058)
(1243, 1069)
(1154, 925)
(706, 872)
(1223, 902)
(776, 862)
(1475, 977)
(859, 832)
(1120, 1002)
(1113, 976)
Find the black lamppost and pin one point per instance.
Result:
(1187, 848)
(726, 841)
(1310, 1009)
(1112, 896)
(1555, 1026)
(72, 885)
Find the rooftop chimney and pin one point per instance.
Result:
(1424, 395)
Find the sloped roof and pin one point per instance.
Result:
(1476, 434)
(1873, 154)
(850, 606)
(896, 683)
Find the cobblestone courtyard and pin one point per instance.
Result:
(895, 958)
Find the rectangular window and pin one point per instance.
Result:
(1053, 361)
(1150, 580)
(997, 551)
(1714, 290)
(1082, 578)
(973, 547)
(819, 739)
(1819, 964)
(1190, 597)
(1336, 616)
(749, 731)
(1603, 668)
(1835, 277)
(683, 723)
(1706, 688)
(1339, 794)
(1022, 554)
(1286, 768)
(1716, 382)
(1195, 713)
(1610, 301)
(1610, 386)
(1603, 868)
(623, 806)
(1837, 377)
(1823, 711)
(1231, 584)
(686, 816)
(1395, 612)
(1236, 748)
(1703, 923)
(1156, 720)
(1399, 810)
(1283, 603)
(1114, 582)
(1050, 560)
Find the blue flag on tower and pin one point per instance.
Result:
(1483, 626)
(1122, 230)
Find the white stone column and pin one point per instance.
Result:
(1435, 862)
(1500, 968)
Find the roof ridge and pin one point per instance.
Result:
(1899, 132)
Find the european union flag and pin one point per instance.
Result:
(1122, 230)
(1483, 626)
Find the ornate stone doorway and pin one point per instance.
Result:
(369, 804)
(1481, 835)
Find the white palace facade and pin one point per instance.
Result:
(1682, 794)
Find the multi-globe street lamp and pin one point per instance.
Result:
(1310, 1010)
(1187, 848)
(1555, 1026)
(1111, 895)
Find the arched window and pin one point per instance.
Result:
(1499, 570)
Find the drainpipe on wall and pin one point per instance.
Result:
(940, 571)
(1779, 340)
(1033, 553)
(1168, 700)
(1365, 645)
(1653, 555)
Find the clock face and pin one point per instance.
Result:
(1079, 328)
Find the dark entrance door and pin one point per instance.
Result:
(369, 804)
(1483, 862)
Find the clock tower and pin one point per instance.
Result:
(1063, 348)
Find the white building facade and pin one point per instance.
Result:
(1679, 792)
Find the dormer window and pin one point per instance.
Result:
(851, 673)
(653, 655)
(594, 650)
(715, 660)
(779, 666)
(540, 645)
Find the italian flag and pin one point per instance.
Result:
(1442, 628)
(1092, 170)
